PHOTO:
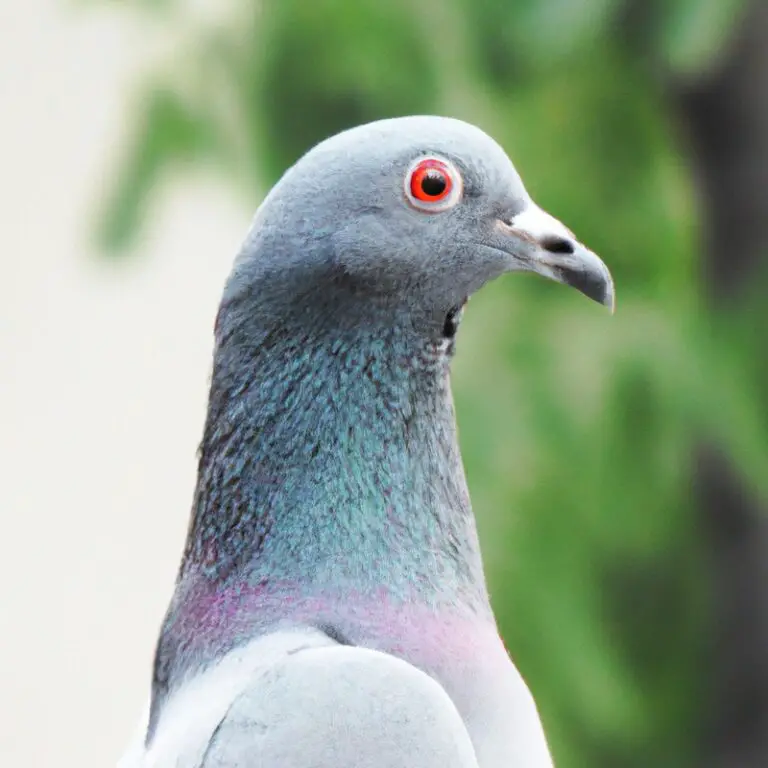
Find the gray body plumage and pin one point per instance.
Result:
(331, 609)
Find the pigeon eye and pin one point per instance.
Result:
(433, 185)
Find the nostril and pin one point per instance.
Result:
(555, 244)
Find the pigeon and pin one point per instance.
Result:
(331, 609)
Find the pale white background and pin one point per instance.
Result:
(103, 377)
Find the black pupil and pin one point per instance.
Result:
(433, 184)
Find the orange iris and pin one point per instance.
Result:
(431, 181)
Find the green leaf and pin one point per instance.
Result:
(694, 33)
(169, 131)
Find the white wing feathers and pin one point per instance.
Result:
(298, 700)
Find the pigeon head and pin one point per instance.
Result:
(408, 215)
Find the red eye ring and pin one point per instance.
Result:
(433, 185)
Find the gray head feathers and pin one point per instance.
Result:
(343, 222)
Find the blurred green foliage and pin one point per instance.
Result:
(577, 429)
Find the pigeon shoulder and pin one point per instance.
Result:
(296, 694)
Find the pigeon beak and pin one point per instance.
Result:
(550, 249)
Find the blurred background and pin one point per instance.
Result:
(618, 466)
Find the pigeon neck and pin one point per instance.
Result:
(331, 461)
